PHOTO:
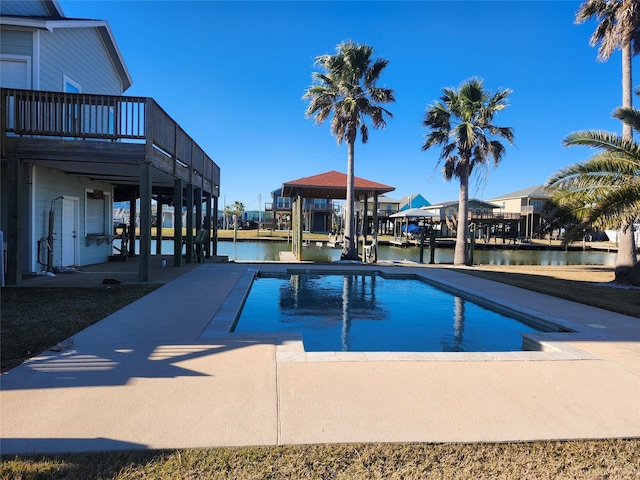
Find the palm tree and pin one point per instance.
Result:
(461, 123)
(618, 28)
(347, 88)
(604, 191)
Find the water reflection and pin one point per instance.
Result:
(248, 251)
(370, 313)
(455, 343)
(270, 252)
(346, 317)
(317, 302)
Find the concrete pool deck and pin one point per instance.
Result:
(149, 376)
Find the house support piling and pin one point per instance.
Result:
(177, 223)
(145, 223)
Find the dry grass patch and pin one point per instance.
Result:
(617, 459)
(589, 285)
(36, 318)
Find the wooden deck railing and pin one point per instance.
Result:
(79, 116)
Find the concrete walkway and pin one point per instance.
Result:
(150, 376)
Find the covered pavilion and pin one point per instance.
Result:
(330, 185)
(420, 215)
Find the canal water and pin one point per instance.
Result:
(270, 251)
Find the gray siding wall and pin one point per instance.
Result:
(16, 42)
(12, 7)
(51, 184)
(80, 54)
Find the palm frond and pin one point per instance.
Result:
(629, 115)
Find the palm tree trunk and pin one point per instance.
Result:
(349, 250)
(626, 256)
(627, 98)
(461, 252)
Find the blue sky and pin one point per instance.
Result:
(233, 75)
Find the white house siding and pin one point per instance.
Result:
(50, 184)
(66, 51)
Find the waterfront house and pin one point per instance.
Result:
(387, 206)
(527, 203)
(415, 200)
(480, 212)
(72, 145)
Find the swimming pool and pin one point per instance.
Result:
(375, 312)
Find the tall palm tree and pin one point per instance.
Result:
(605, 190)
(618, 28)
(347, 88)
(462, 124)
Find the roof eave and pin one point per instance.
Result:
(103, 30)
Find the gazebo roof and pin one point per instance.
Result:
(414, 213)
(332, 185)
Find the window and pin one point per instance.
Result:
(319, 203)
(283, 203)
(96, 212)
(69, 86)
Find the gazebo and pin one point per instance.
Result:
(331, 185)
(414, 214)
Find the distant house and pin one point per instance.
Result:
(526, 200)
(72, 145)
(387, 206)
(528, 203)
(318, 213)
(413, 201)
(448, 211)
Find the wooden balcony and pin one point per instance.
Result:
(103, 137)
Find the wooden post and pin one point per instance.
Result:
(144, 262)
(14, 229)
(189, 236)
(298, 232)
(214, 243)
(365, 224)
(472, 245)
(177, 222)
(432, 245)
(133, 213)
(197, 198)
(375, 227)
(207, 224)
(159, 228)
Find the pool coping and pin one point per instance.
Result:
(549, 346)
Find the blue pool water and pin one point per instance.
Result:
(372, 313)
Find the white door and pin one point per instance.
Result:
(14, 72)
(69, 232)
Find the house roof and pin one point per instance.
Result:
(422, 212)
(536, 191)
(472, 201)
(384, 199)
(332, 185)
(59, 21)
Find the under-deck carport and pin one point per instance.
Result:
(129, 142)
